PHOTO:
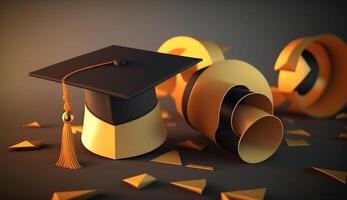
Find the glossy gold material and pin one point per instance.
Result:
(125, 140)
(210, 52)
(328, 94)
(26, 145)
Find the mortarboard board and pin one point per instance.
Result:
(122, 115)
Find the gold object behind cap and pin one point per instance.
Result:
(327, 95)
(201, 93)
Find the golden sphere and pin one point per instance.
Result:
(67, 117)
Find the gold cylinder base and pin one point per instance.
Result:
(125, 140)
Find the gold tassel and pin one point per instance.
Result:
(67, 157)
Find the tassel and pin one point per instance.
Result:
(67, 157)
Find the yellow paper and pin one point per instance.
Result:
(202, 167)
(196, 185)
(192, 145)
(296, 143)
(171, 157)
(299, 132)
(140, 181)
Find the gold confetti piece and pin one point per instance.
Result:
(26, 145)
(343, 135)
(171, 157)
(287, 120)
(192, 145)
(171, 124)
(252, 194)
(341, 116)
(196, 185)
(75, 195)
(202, 167)
(165, 115)
(76, 129)
(140, 181)
(299, 132)
(297, 143)
(338, 175)
(33, 124)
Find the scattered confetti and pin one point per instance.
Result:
(165, 115)
(192, 145)
(75, 195)
(202, 167)
(196, 185)
(287, 120)
(341, 116)
(338, 175)
(252, 194)
(76, 129)
(171, 124)
(171, 157)
(140, 181)
(27, 145)
(299, 132)
(296, 143)
(33, 124)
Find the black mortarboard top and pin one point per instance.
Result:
(118, 93)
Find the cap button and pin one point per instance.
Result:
(119, 63)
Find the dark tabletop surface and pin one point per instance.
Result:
(32, 174)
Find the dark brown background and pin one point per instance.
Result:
(35, 34)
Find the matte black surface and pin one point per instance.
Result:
(143, 70)
(114, 110)
(308, 82)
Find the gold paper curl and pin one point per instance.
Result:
(209, 52)
(201, 105)
(328, 94)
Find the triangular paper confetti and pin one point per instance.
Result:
(171, 124)
(140, 181)
(287, 120)
(34, 124)
(192, 145)
(296, 143)
(76, 128)
(171, 157)
(338, 175)
(252, 194)
(75, 195)
(343, 135)
(299, 132)
(27, 144)
(196, 185)
(165, 115)
(341, 116)
(202, 167)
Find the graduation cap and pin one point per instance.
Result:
(122, 115)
